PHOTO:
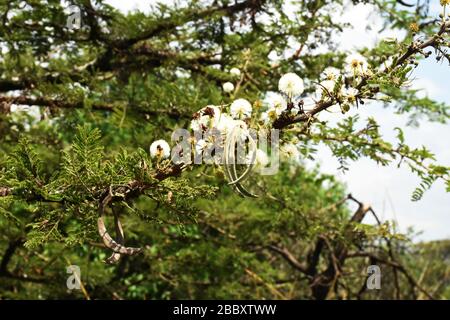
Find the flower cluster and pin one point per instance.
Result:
(332, 85)
(289, 102)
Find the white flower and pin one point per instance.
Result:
(200, 146)
(205, 117)
(269, 116)
(235, 72)
(160, 149)
(290, 152)
(224, 123)
(277, 103)
(265, 117)
(272, 114)
(211, 111)
(294, 111)
(195, 125)
(350, 94)
(260, 161)
(200, 124)
(330, 73)
(243, 128)
(228, 87)
(240, 109)
(291, 84)
(356, 64)
(328, 85)
(325, 88)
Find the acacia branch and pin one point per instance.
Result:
(63, 104)
(414, 48)
(289, 257)
(133, 189)
(170, 24)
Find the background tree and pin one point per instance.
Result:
(103, 93)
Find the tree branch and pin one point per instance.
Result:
(289, 257)
(414, 48)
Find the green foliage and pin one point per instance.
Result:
(102, 94)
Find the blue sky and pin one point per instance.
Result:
(388, 189)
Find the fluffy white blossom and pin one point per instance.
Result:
(291, 84)
(235, 72)
(265, 118)
(240, 109)
(356, 64)
(260, 161)
(205, 118)
(325, 88)
(160, 149)
(294, 111)
(211, 111)
(277, 103)
(350, 94)
(290, 152)
(200, 146)
(328, 85)
(201, 123)
(224, 123)
(243, 126)
(228, 87)
(330, 73)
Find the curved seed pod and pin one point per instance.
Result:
(249, 167)
(241, 190)
(116, 246)
(111, 243)
(228, 145)
(115, 257)
(230, 164)
(228, 173)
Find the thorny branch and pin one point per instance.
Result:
(415, 48)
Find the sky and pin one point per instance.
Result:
(387, 189)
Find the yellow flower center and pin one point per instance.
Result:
(272, 114)
(355, 63)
